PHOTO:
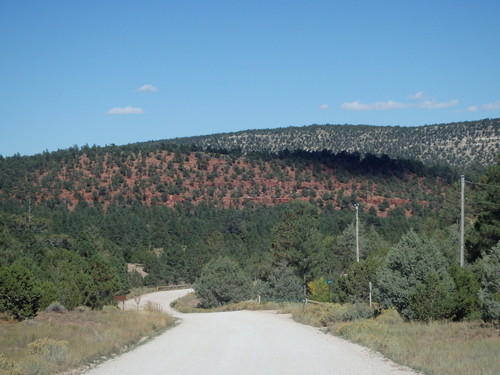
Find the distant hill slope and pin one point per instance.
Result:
(129, 175)
(463, 144)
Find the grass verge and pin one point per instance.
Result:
(189, 304)
(443, 348)
(54, 342)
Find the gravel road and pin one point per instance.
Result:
(243, 342)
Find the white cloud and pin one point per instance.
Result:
(324, 107)
(125, 111)
(432, 104)
(147, 88)
(418, 95)
(491, 106)
(472, 108)
(358, 106)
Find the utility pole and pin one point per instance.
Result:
(357, 232)
(462, 219)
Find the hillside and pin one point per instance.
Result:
(462, 144)
(123, 177)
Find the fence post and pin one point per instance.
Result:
(370, 286)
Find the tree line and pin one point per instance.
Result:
(79, 257)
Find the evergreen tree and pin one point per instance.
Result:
(19, 292)
(298, 241)
(430, 300)
(489, 294)
(353, 285)
(106, 282)
(408, 269)
(282, 285)
(222, 281)
(466, 295)
(486, 233)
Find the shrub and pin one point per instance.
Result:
(36, 366)
(328, 313)
(8, 367)
(49, 349)
(50, 293)
(45, 356)
(319, 290)
(282, 285)
(82, 309)
(352, 286)
(19, 294)
(466, 296)
(430, 300)
(406, 275)
(358, 311)
(390, 317)
(490, 291)
(56, 307)
(222, 281)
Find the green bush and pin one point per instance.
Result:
(222, 281)
(490, 290)
(430, 300)
(19, 293)
(358, 311)
(414, 278)
(282, 285)
(50, 293)
(319, 290)
(466, 296)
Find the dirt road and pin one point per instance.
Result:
(242, 343)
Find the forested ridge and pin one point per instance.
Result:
(172, 175)
(464, 144)
(72, 220)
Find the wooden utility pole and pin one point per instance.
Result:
(357, 232)
(462, 219)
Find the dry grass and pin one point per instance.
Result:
(189, 304)
(435, 348)
(443, 348)
(56, 342)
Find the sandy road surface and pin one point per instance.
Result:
(244, 342)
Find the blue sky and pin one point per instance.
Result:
(103, 72)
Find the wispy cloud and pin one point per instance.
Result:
(147, 88)
(125, 111)
(423, 102)
(485, 107)
(358, 106)
(418, 95)
(491, 106)
(432, 104)
(324, 107)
